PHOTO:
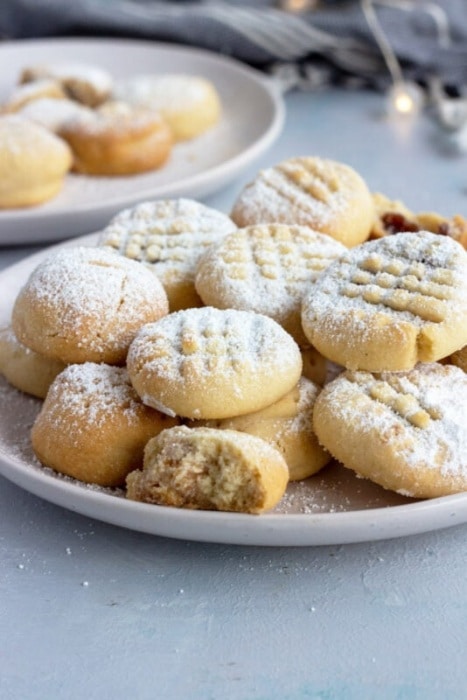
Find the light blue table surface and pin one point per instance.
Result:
(92, 611)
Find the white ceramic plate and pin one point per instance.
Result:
(252, 118)
(334, 507)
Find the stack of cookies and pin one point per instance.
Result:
(204, 361)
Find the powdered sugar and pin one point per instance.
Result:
(53, 113)
(435, 393)
(265, 269)
(163, 92)
(168, 235)
(92, 295)
(291, 193)
(87, 394)
(213, 341)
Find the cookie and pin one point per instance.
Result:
(459, 358)
(86, 304)
(25, 369)
(52, 113)
(315, 366)
(212, 363)
(208, 469)
(117, 140)
(266, 269)
(33, 163)
(390, 303)
(168, 236)
(405, 431)
(189, 104)
(28, 93)
(83, 82)
(394, 217)
(92, 425)
(328, 196)
(287, 426)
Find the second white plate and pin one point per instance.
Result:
(252, 118)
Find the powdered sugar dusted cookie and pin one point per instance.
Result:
(83, 82)
(168, 236)
(325, 195)
(23, 95)
(391, 303)
(190, 104)
(53, 113)
(25, 369)
(208, 469)
(117, 139)
(266, 269)
(92, 425)
(405, 431)
(212, 363)
(86, 304)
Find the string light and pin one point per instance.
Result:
(297, 5)
(404, 98)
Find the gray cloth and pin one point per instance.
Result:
(330, 43)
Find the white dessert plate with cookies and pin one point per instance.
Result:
(331, 507)
(199, 162)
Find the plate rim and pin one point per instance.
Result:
(228, 168)
(218, 527)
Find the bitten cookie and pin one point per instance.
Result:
(212, 363)
(208, 469)
(189, 104)
(391, 303)
(405, 431)
(86, 304)
(287, 426)
(168, 236)
(92, 425)
(325, 195)
(33, 163)
(25, 369)
(266, 269)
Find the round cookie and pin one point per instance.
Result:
(117, 139)
(211, 363)
(83, 82)
(27, 93)
(405, 431)
(92, 425)
(25, 369)
(189, 104)
(209, 469)
(390, 303)
(86, 304)
(169, 236)
(328, 196)
(266, 269)
(33, 163)
(287, 426)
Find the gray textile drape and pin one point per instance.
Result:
(429, 38)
